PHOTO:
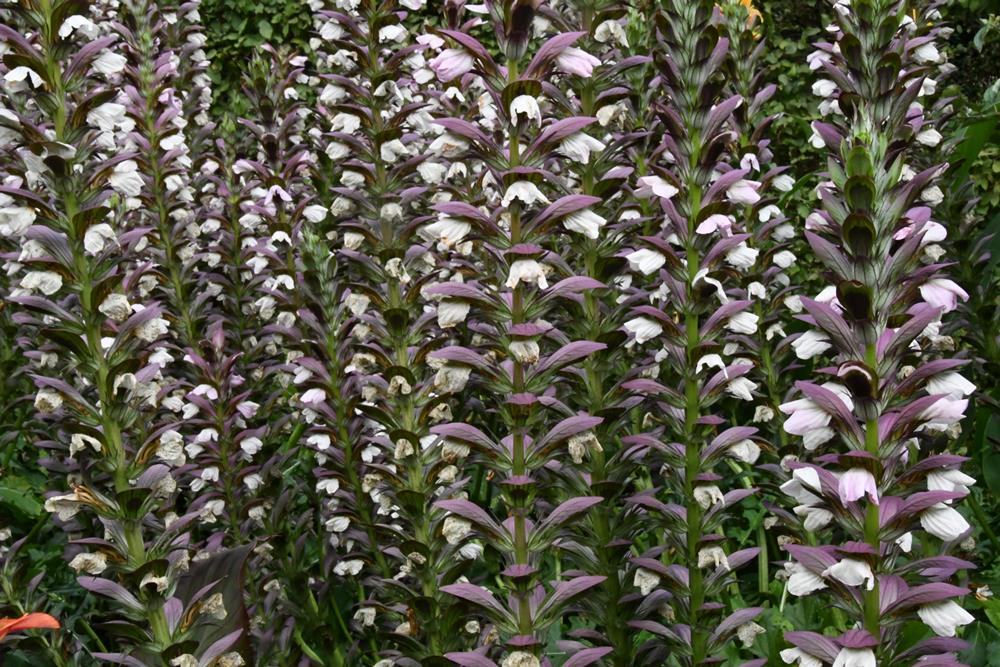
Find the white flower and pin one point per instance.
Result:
(927, 53)
(741, 387)
(855, 657)
(944, 617)
(527, 105)
(784, 183)
(152, 329)
(645, 580)
(943, 522)
(644, 329)
(19, 74)
(742, 256)
(611, 30)
(95, 237)
(109, 63)
(743, 323)
(81, 24)
(585, 222)
(125, 179)
(802, 580)
(649, 186)
(747, 632)
(366, 614)
(525, 351)
(810, 344)
(455, 528)
(451, 379)
(15, 220)
(713, 556)
(708, 495)
(520, 659)
(107, 116)
(94, 563)
(392, 33)
(645, 260)
(451, 312)
(525, 191)
(954, 481)
(950, 383)
(578, 147)
(929, 137)
(790, 655)
(824, 88)
(745, 450)
(527, 270)
(350, 567)
(46, 282)
(852, 572)
(784, 259)
(448, 231)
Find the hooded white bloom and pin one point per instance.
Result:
(790, 655)
(713, 557)
(95, 237)
(91, 563)
(741, 387)
(15, 220)
(855, 657)
(944, 617)
(943, 522)
(107, 116)
(743, 323)
(525, 351)
(448, 231)
(811, 343)
(852, 572)
(644, 329)
(645, 580)
(21, 73)
(784, 259)
(455, 528)
(585, 222)
(526, 191)
(46, 282)
(950, 383)
(813, 518)
(708, 495)
(109, 63)
(743, 192)
(927, 53)
(529, 271)
(125, 178)
(611, 30)
(449, 145)
(451, 312)
(802, 580)
(742, 256)
(929, 137)
(646, 260)
(578, 147)
(451, 379)
(520, 659)
(954, 481)
(824, 88)
(650, 186)
(81, 24)
(116, 306)
(745, 450)
(527, 106)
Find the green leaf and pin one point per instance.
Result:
(985, 642)
(265, 29)
(19, 494)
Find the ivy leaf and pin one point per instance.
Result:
(265, 29)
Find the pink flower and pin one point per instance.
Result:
(715, 222)
(649, 186)
(451, 64)
(855, 483)
(576, 61)
(942, 293)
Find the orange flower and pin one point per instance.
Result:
(26, 622)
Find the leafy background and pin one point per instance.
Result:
(236, 28)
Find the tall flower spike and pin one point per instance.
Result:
(765, 282)
(592, 156)
(391, 246)
(892, 390)
(524, 352)
(83, 292)
(689, 321)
